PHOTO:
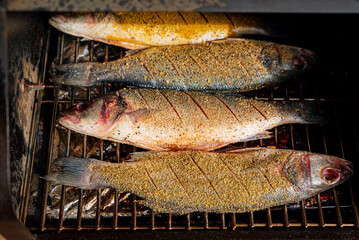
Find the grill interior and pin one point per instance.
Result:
(331, 85)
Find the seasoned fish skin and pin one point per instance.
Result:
(237, 64)
(139, 30)
(183, 182)
(164, 120)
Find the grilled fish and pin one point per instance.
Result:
(139, 30)
(182, 182)
(240, 64)
(162, 119)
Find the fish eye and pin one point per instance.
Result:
(299, 63)
(82, 106)
(330, 175)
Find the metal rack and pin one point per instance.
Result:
(260, 219)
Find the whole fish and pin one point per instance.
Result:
(162, 119)
(182, 182)
(240, 64)
(139, 30)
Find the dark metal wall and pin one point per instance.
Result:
(25, 39)
(10, 228)
(258, 6)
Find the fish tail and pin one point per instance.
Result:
(77, 74)
(307, 113)
(76, 172)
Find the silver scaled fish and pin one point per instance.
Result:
(139, 30)
(182, 182)
(162, 119)
(232, 64)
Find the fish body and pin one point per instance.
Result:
(191, 181)
(162, 119)
(139, 30)
(240, 64)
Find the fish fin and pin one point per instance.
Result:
(132, 52)
(85, 39)
(140, 156)
(124, 44)
(78, 74)
(227, 40)
(261, 135)
(242, 150)
(306, 113)
(229, 93)
(138, 115)
(75, 172)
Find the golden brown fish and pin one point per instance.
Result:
(183, 182)
(139, 30)
(161, 119)
(241, 64)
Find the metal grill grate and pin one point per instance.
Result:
(329, 139)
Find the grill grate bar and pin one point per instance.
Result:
(340, 221)
(206, 224)
(170, 221)
(241, 225)
(251, 219)
(80, 201)
(98, 209)
(304, 215)
(116, 192)
(46, 188)
(234, 221)
(79, 209)
(47, 101)
(223, 220)
(63, 188)
(355, 208)
(285, 208)
(188, 221)
(134, 213)
(34, 129)
(320, 211)
(269, 214)
(320, 208)
(269, 218)
(152, 218)
(51, 141)
(115, 212)
(62, 207)
(336, 202)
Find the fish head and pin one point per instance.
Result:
(78, 24)
(95, 117)
(285, 61)
(315, 173)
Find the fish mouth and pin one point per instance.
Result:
(68, 120)
(57, 19)
(338, 170)
(342, 165)
(305, 60)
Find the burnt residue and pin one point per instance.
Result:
(25, 39)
